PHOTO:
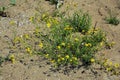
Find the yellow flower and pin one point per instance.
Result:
(105, 64)
(109, 69)
(63, 59)
(52, 61)
(86, 45)
(58, 60)
(28, 49)
(63, 44)
(65, 28)
(12, 58)
(110, 64)
(12, 22)
(31, 19)
(89, 32)
(76, 39)
(116, 65)
(48, 25)
(67, 56)
(83, 31)
(43, 16)
(90, 44)
(58, 47)
(75, 58)
(47, 55)
(68, 27)
(41, 45)
(26, 36)
(71, 60)
(101, 43)
(92, 60)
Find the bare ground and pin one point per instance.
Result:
(35, 67)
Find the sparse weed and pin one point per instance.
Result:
(112, 19)
(1, 60)
(2, 11)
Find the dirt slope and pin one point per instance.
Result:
(35, 67)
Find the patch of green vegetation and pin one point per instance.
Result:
(65, 43)
(2, 9)
(112, 19)
(80, 21)
(13, 2)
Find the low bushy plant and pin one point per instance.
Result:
(65, 43)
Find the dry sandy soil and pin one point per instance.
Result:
(37, 68)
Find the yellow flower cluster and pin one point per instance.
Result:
(88, 44)
(92, 31)
(101, 43)
(68, 28)
(116, 65)
(40, 45)
(44, 16)
(28, 50)
(49, 20)
(76, 39)
(12, 58)
(47, 55)
(109, 66)
(52, 61)
(26, 36)
(48, 24)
